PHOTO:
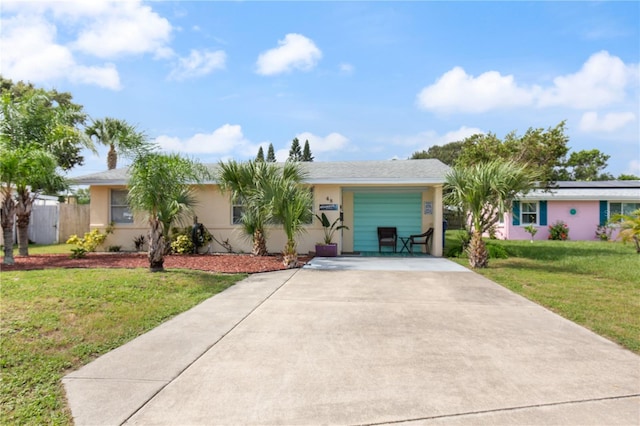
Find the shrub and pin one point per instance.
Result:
(114, 249)
(88, 243)
(559, 231)
(497, 251)
(182, 245)
(603, 232)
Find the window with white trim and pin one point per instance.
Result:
(528, 213)
(120, 211)
(622, 208)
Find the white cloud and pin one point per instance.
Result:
(125, 28)
(634, 168)
(346, 68)
(99, 29)
(602, 81)
(458, 91)
(592, 122)
(29, 42)
(224, 140)
(424, 140)
(318, 144)
(294, 52)
(198, 64)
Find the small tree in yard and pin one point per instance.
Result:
(160, 188)
(485, 191)
(291, 206)
(629, 227)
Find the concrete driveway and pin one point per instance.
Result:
(382, 342)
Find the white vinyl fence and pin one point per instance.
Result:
(53, 223)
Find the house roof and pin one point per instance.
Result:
(403, 172)
(611, 190)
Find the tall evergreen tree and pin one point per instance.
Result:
(271, 155)
(306, 152)
(295, 153)
(260, 156)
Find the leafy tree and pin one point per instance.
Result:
(585, 165)
(48, 120)
(83, 195)
(260, 156)
(447, 153)
(160, 187)
(485, 191)
(543, 151)
(255, 185)
(629, 227)
(38, 132)
(24, 173)
(625, 176)
(295, 153)
(306, 152)
(271, 155)
(120, 136)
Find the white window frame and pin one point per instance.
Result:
(127, 210)
(622, 211)
(536, 212)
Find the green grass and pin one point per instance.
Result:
(47, 249)
(593, 283)
(54, 321)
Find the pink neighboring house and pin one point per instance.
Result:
(581, 205)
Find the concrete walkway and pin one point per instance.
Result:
(362, 346)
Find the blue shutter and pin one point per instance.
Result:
(543, 213)
(604, 212)
(516, 213)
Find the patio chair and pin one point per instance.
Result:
(387, 236)
(421, 240)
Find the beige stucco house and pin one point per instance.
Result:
(406, 194)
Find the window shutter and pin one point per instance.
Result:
(516, 213)
(543, 213)
(604, 210)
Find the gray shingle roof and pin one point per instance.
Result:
(341, 172)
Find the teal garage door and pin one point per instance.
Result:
(374, 209)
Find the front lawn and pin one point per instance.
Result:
(593, 283)
(56, 320)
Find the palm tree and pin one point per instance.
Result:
(24, 173)
(31, 133)
(120, 136)
(484, 192)
(255, 184)
(291, 206)
(160, 187)
(629, 225)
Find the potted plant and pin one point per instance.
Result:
(328, 248)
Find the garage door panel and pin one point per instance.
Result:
(371, 210)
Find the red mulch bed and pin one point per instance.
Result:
(222, 263)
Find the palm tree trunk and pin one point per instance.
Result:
(637, 241)
(259, 244)
(8, 214)
(23, 215)
(156, 246)
(477, 250)
(290, 255)
(112, 158)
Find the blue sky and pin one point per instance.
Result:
(359, 80)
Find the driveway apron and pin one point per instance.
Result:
(362, 341)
